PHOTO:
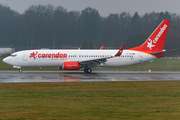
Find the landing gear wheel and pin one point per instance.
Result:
(87, 70)
(20, 70)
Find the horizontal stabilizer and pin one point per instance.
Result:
(164, 51)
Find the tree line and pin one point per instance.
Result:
(46, 26)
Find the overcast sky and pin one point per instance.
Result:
(105, 7)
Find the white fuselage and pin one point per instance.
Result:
(55, 58)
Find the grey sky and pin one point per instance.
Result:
(105, 7)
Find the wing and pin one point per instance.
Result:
(98, 61)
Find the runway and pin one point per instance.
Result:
(79, 76)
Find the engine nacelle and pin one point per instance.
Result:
(70, 66)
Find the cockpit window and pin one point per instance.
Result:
(13, 55)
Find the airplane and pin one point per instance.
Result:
(150, 50)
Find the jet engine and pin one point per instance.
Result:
(70, 66)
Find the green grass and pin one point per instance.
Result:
(156, 65)
(91, 100)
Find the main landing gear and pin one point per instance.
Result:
(87, 70)
(20, 70)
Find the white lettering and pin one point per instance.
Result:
(160, 33)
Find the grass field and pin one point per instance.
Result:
(158, 100)
(157, 65)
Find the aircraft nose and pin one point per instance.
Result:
(6, 60)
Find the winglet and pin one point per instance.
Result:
(102, 48)
(120, 51)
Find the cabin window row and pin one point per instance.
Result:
(96, 56)
(125, 56)
(89, 55)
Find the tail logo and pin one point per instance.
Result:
(149, 44)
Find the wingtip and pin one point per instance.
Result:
(102, 47)
(120, 51)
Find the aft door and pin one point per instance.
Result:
(141, 57)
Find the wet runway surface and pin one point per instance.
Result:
(79, 76)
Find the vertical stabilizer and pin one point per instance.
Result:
(156, 40)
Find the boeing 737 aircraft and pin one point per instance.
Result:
(150, 50)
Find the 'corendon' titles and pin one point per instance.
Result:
(47, 55)
(160, 33)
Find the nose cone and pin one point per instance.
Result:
(6, 60)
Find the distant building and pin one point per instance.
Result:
(6, 51)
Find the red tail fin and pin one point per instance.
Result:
(156, 40)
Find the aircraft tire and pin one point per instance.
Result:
(20, 70)
(89, 70)
(85, 70)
